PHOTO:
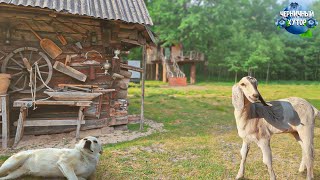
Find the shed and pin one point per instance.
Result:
(72, 46)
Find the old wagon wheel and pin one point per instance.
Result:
(13, 64)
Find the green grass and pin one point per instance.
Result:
(136, 127)
(201, 141)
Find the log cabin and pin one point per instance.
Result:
(74, 49)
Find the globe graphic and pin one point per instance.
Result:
(295, 29)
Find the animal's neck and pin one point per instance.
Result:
(242, 115)
(88, 156)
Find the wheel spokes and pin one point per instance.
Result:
(43, 72)
(30, 57)
(22, 66)
(38, 60)
(14, 68)
(14, 65)
(17, 74)
(18, 80)
(44, 65)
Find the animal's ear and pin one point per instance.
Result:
(237, 97)
(262, 100)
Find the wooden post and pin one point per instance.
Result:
(5, 120)
(20, 126)
(164, 72)
(80, 118)
(157, 72)
(193, 73)
(143, 77)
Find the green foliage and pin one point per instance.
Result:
(239, 37)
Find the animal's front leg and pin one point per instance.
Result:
(267, 156)
(67, 171)
(244, 152)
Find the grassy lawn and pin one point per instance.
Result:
(201, 141)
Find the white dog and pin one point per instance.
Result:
(78, 163)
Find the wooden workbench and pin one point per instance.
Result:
(24, 104)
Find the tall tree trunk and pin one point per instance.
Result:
(268, 70)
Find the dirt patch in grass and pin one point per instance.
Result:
(67, 140)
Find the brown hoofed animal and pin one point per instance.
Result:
(258, 121)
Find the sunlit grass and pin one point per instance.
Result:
(201, 141)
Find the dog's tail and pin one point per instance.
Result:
(14, 162)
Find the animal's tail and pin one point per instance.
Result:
(14, 162)
(316, 112)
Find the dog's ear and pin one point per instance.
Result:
(87, 145)
(237, 97)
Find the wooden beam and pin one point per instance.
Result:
(21, 103)
(5, 120)
(80, 119)
(164, 72)
(130, 41)
(144, 65)
(193, 73)
(121, 120)
(157, 72)
(51, 122)
(133, 68)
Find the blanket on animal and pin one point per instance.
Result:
(279, 114)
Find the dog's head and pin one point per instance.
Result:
(90, 144)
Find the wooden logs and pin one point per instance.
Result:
(126, 74)
(122, 94)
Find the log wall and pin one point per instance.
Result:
(93, 34)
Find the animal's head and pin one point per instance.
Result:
(90, 144)
(247, 88)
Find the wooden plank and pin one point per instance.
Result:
(20, 126)
(125, 66)
(20, 103)
(104, 90)
(5, 121)
(59, 66)
(31, 123)
(78, 85)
